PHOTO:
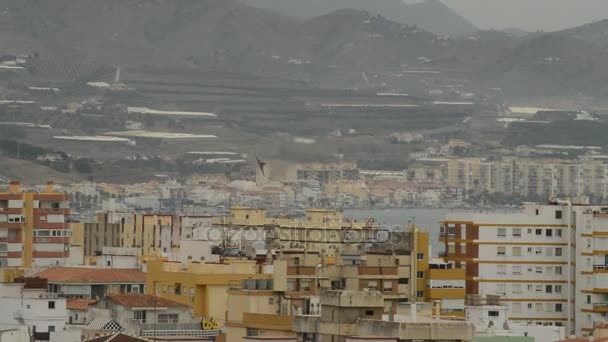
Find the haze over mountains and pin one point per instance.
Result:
(430, 15)
(335, 49)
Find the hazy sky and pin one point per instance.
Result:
(530, 15)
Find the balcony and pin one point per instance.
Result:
(600, 307)
(600, 268)
(301, 270)
(389, 271)
(267, 322)
(174, 330)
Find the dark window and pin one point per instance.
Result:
(420, 274)
(493, 313)
(558, 307)
(420, 256)
(404, 281)
(51, 328)
(52, 304)
(549, 232)
(558, 214)
(369, 312)
(539, 232)
(536, 211)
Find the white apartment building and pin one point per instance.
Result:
(591, 297)
(30, 305)
(524, 257)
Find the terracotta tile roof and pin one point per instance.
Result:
(79, 304)
(139, 300)
(92, 275)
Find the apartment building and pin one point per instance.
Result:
(357, 316)
(521, 256)
(256, 310)
(27, 303)
(34, 227)
(202, 286)
(524, 257)
(153, 234)
(587, 176)
(321, 231)
(445, 286)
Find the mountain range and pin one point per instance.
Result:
(334, 49)
(430, 15)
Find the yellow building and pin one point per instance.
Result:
(201, 286)
(446, 287)
(258, 313)
(421, 251)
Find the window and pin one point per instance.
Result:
(501, 269)
(420, 274)
(548, 269)
(558, 251)
(539, 232)
(420, 256)
(558, 307)
(493, 313)
(420, 294)
(305, 285)
(549, 288)
(291, 285)
(529, 250)
(516, 307)
(529, 231)
(538, 288)
(558, 270)
(537, 212)
(140, 315)
(502, 232)
(270, 301)
(538, 270)
(558, 214)
(516, 288)
(252, 332)
(538, 251)
(51, 304)
(516, 232)
(168, 318)
(516, 269)
(549, 251)
(516, 251)
(529, 287)
(549, 307)
(404, 281)
(549, 232)
(501, 289)
(387, 286)
(557, 289)
(588, 299)
(558, 232)
(51, 328)
(369, 312)
(501, 250)
(530, 306)
(539, 307)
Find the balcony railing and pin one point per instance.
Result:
(600, 267)
(600, 305)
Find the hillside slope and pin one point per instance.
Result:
(430, 15)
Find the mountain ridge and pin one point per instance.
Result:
(430, 15)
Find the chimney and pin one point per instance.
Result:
(50, 186)
(14, 187)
